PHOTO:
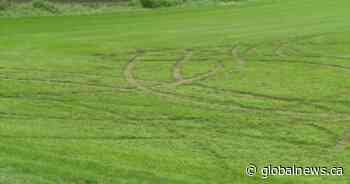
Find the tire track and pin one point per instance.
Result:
(59, 73)
(178, 66)
(231, 105)
(239, 93)
(63, 82)
(236, 54)
(124, 119)
(8, 115)
(347, 68)
(213, 105)
(344, 141)
(279, 139)
(279, 51)
(198, 77)
(129, 69)
(181, 80)
(128, 73)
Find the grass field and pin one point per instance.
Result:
(190, 95)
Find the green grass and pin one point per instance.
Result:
(93, 99)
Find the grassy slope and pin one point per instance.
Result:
(68, 115)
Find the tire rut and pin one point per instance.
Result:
(344, 141)
(347, 68)
(246, 94)
(181, 80)
(64, 82)
(198, 77)
(178, 66)
(236, 54)
(128, 73)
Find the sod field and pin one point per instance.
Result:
(176, 95)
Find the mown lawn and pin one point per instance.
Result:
(190, 95)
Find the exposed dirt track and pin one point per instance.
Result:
(128, 72)
(343, 141)
(236, 54)
(178, 65)
(198, 78)
(181, 80)
(279, 51)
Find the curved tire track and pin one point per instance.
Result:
(236, 54)
(344, 141)
(128, 73)
(178, 66)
